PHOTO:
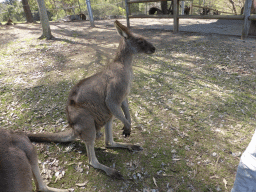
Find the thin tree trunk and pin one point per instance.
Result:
(247, 22)
(252, 30)
(44, 20)
(233, 4)
(79, 6)
(164, 7)
(27, 11)
(56, 10)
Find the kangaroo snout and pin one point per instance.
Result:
(151, 50)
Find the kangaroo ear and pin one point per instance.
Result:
(122, 30)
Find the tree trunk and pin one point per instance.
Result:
(164, 7)
(79, 6)
(44, 20)
(27, 11)
(233, 4)
(252, 30)
(247, 22)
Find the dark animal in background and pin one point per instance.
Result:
(186, 10)
(9, 22)
(206, 11)
(216, 12)
(18, 163)
(242, 11)
(154, 10)
(82, 17)
(74, 17)
(94, 101)
(36, 16)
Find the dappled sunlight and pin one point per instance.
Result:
(192, 104)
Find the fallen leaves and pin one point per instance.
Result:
(154, 180)
(188, 104)
(82, 184)
(51, 167)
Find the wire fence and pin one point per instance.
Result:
(102, 10)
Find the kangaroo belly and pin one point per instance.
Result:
(98, 111)
(101, 115)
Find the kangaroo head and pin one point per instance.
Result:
(136, 43)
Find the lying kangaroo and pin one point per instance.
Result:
(18, 161)
(94, 101)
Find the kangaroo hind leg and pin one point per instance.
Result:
(31, 154)
(86, 129)
(110, 143)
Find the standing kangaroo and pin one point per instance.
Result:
(18, 162)
(94, 101)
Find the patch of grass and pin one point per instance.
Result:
(192, 105)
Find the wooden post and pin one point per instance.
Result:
(191, 7)
(176, 16)
(127, 8)
(247, 12)
(89, 9)
(252, 30)
(182, 7)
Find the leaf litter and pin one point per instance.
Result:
(191, 103)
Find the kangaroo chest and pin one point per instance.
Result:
(129, 84)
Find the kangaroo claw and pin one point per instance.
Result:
(126, 133)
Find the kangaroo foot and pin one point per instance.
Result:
(50, 189)
(135, 148)
(129, 146)
(114, 174)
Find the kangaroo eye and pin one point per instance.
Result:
(140, 42)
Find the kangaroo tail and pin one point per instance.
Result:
(61, 137)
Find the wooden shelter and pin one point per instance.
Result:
(247, 16)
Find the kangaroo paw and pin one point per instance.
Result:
(98, 135)
(126, 132)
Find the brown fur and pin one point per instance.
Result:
(9, 22)
(94, 101)
(82, 16)
(18, 163)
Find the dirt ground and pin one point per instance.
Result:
(192, 102)
(209, 26)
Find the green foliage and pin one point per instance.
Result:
(105, 9)
(13, 10)
(60, 9)
(102, 8)
(121, 11)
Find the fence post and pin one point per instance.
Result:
(175, 16)
(89, 8)
(127, 13)
(247, 12)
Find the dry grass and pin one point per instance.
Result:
(192, 105)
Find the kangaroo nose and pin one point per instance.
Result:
(153, 49)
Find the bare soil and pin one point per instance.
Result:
(192, 102)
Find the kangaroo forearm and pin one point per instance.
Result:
(117, 112)
(125, 108)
